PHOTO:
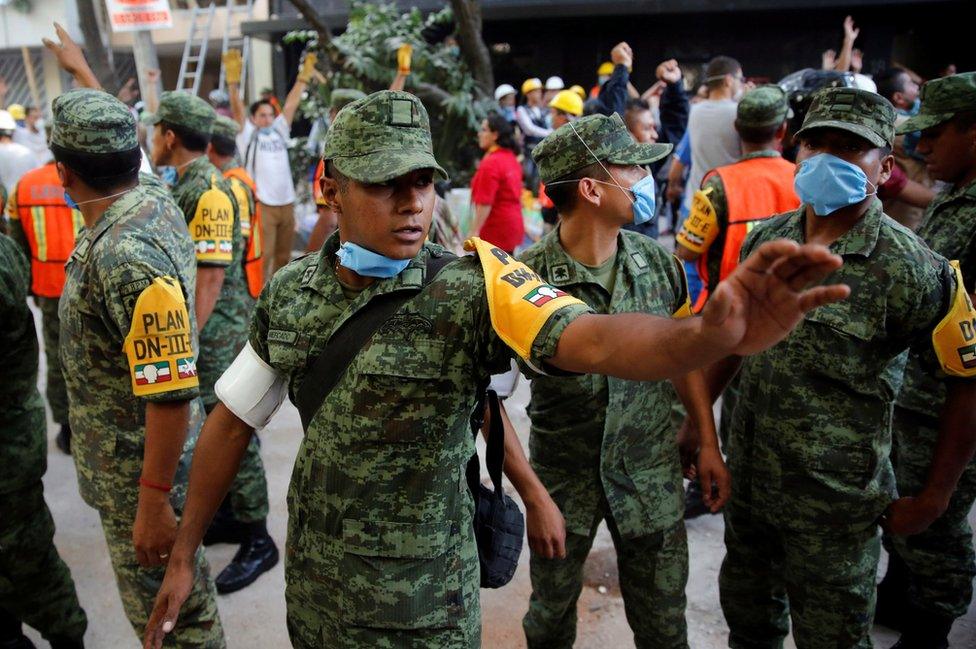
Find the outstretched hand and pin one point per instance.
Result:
(71, 58)
(768, 294)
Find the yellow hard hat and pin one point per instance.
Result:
(605, 69)
(17, 111)
(568, 102)
(579, 91)
(529, 85)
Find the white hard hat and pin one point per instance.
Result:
(554, 83)
(504, 90)
(7, 122)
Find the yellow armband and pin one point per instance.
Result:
(685, 310)
(954, 339)
(701, 227)
(519, 302)
(212, 226)
(159, 346)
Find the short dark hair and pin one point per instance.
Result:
(506, 132)
(637, 105)
(891, 81)
(191, 140)
(717, 68)
(224, 146)
(756, 134)
(562, 192)
(260, 102)
(341, 179)
(102, 172)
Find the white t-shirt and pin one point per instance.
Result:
(714, 140)
(266, 160)
(15, 161)
(36, 142)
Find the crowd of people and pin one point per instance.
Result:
(839, 339)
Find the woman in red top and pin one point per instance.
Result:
(496, 189)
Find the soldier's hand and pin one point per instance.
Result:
(911, 515)
(689, 438)
(714, 475)
(154, 531)
(546, 528)
(233, 65)
(768, 294)
(173, 592)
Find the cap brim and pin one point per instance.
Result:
(856, 129)
(639, 154)
(150, 119)
(921, 122)
(381, 166)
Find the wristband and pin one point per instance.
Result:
(153, 485)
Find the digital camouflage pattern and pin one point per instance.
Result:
(942, 99)
(860, 112)
(380, 549)
(225, 331)
(765, 105)
(809, 441)
(35, 584)
(605, 449)
(92, 121)
(342, 97)
(940, 560)
(380, 137)
(226, 127)
(140, 237)
(590, 139)
(182, 109)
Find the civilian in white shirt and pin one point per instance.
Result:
(15, 159)
(263, 142)
(32, 135)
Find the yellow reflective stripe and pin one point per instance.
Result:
(40, 233)
(77, 221)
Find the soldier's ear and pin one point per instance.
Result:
(64, 174)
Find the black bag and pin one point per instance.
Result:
(499, 525)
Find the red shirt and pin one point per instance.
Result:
(498, 183)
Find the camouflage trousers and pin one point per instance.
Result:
(35, 584)
(198, 624)
(56, 392)
(824, 582)
(248, 494)
(653, 573)
(940, 561)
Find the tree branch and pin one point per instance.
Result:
(318, 23)
(96, 52)
(467, 17)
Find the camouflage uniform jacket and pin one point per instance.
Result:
(379, 527)
(596, 437)
(811, 432)
(23, 439)
(949, 228)
(225, 331)
(140, 237)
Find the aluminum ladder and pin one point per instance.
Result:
(242, 43)
(195, 48)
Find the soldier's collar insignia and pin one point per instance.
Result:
(559, 273)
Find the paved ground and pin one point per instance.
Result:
(255, 617)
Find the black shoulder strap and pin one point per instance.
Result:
(352, 336)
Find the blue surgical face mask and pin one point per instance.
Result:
(168, 174)
(368, 263)
(266, 130)
(829, 183)
(508, 112)
(70, 201)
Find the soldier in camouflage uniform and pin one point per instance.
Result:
(182, 127)
(381, 549)
(605, 448)
(810, 436)
(35, 584)
(128, 341)
(930, 575)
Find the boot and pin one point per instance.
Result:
(257, 555)
(63, 440)
(925, 630)
(225, 528)
(892, 608)
(694, 503)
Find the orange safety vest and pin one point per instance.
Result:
(49, 225)
(253, 266)
(755, 189)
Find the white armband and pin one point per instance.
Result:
(252, 389)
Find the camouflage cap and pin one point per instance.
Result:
(860, 112)
(763, 106)
(226, 127)
(588, 140)
(92, 121)
(380, 137)
(941, 100)
(342, 97)
(183, 109)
